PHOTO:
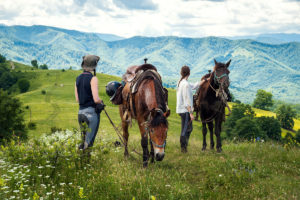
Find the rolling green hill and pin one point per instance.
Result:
(248, 170)
(254, 65)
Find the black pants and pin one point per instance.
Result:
(186, 129)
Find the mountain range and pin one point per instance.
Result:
(255, 65)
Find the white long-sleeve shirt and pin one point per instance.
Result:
(185, 95)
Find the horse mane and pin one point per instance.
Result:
(159, 118)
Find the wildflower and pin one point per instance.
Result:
(43, 185)
(12, 197)
(47, 176)
(70, 183)
(62, 184)
(48, 193)
(152, 197)
(40, 175)
(35, 196)
(16, 191)
(168, 185)
(61, 193)
(81, 194)
(21, 187)
(40, 167)
(220, 175)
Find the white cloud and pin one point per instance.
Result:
(190, 18)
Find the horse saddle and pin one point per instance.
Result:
(133, 77)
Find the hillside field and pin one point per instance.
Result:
(248, 170)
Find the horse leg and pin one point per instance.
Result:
(218, 123)
(204, 132)
(152, 152)
(211, 131)
(144, 143)
(125, 136)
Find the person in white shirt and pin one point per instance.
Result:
(184, 106)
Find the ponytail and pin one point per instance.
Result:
(185, 71)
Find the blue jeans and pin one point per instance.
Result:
(186, 129)
(93, 120)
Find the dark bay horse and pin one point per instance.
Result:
(212, 100)
(150, 111)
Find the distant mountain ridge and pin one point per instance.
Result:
(272, 38)
(255, 65)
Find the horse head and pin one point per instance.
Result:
(220, 74)
(158, 128)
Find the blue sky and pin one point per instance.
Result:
(185, 18)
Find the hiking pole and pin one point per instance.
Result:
(116, 129)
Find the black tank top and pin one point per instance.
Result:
(83, 84)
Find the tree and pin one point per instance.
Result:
(238, 111)
(263, 100)
(270, 126)
(7, 79)
(34, 64)
(43, 66)
(2, 59)
(11, 117)
(246, 128)
(285, 115)
(24, 85)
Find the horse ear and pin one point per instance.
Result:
(215, 62)
(167, 114)
(228, 63)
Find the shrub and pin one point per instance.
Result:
(298, 136)
(270, 126)
(63, 70)
(31, 126)
(289, 141)
(55, 129)
(11, 117)
(246, 128)
(43, 92)
(238, 111)
(43, 66)
(24, 85)
(285, 115)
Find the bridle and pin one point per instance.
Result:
(220, 92)
(148, 130)
(218, 78)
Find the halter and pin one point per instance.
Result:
(218, 78)
(148, 131)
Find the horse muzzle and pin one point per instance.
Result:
(159, 156)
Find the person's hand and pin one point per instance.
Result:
(192, 116)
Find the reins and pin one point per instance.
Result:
(121, 137)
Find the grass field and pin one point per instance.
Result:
(249, 170)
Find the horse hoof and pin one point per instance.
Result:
(126, 154)
(219, 150)
(203, 148)
(145, 164)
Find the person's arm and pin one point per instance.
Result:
(94, 87)
(187, 101)
(76, 94)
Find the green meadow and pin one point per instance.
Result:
(48, 165)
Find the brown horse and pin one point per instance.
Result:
(151, 112)
(212, 100)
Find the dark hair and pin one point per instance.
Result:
(185, 71)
